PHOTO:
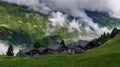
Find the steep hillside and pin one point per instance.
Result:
(22, 20)
(105, 56)
(33, 26)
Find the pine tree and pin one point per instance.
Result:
(37, 44)
(114, 32)
(10, 51)
(62, 42)
(20, 53)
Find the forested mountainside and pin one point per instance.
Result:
(104, 19)
(24, 26)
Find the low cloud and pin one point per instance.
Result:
(4, 47)
(75, 8)
(85, 26)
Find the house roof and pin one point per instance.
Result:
(26, 50)
(41, 49)
(72, 46)
(82, 43)
(54, 46)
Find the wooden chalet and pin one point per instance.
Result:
(84, 44)
(30, 52)
(74, 49)
(57, 49)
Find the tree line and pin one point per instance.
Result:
(105, 37)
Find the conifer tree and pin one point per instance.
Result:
(62, 42)
(10, 51)
(37, 44)
(114, 32)
(20, 53)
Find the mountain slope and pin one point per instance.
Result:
(104, 19)
(105, 56)
(33, 25)
(20, 19)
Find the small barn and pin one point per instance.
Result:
(30, 52)
(75, 49)
(57, 49)
(84, 44)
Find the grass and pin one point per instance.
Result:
(106, 55)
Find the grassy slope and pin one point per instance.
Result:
(104, 56)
